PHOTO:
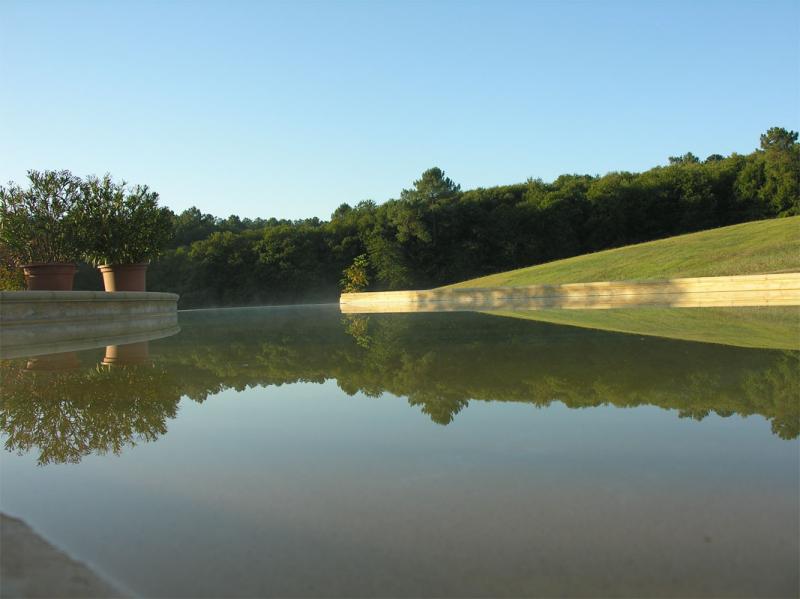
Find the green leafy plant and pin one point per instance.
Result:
(37, 224)
(356, 276)
(11, 278)
(121, 225)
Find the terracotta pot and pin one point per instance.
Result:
(124, 277)
(128, 354)
(54, 362)
(52, 276)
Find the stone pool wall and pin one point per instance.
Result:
(782, 289)
(31, 319)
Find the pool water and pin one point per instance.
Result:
(302, 452)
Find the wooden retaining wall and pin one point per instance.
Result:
(782, 289)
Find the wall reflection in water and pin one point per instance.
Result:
(66, 406)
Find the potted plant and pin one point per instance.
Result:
(38, 231)
(122, 229)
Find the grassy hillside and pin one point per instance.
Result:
(758, 247)
(774, 327)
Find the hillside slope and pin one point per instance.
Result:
(750, 248)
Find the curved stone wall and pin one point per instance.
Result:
(42, 321)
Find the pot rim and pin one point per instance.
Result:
(126, 265)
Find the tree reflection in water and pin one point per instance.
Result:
(439, 362)
(68, 414)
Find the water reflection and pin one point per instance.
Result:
(129, 354)
(441, 362)
(54, 362)
(65, 408)
(65, 414)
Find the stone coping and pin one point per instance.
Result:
(746, 290)
(85, 296)
(31, 322)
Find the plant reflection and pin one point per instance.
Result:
(439, 362)
(68, 414)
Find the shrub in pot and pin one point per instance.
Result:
(122, 229)
(11, 277)
(38, 229)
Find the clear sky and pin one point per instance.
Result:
(289, 109)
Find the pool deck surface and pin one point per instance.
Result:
(32, 567)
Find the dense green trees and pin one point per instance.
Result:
(435, 233)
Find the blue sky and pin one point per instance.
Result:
(289, 109)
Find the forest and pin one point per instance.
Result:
(435, 233)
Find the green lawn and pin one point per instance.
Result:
(759, 247)
(750, 248)
(774, 327)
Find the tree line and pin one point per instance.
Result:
(435, 233)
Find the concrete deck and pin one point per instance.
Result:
(781, 289)
(32, 567)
